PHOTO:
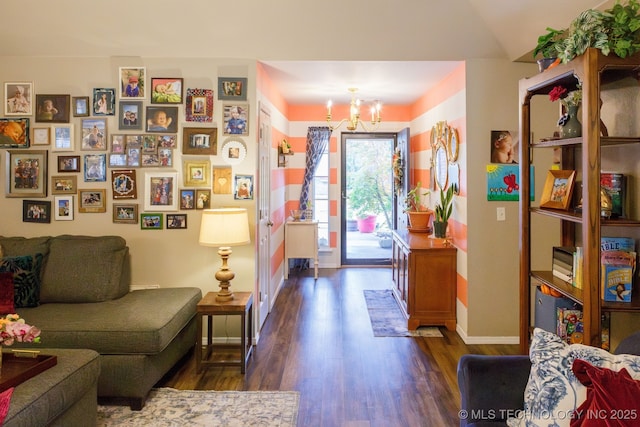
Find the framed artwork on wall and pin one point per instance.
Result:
(63, 138)
(166, 90)
(236, 119)
(53, 108)
(131, 115)
(203, 199)
(176, 221)
(92, 200)
(162, 119)
(243, 187)
(68, 163)
(161, 191)
(64, 184)
(104, 102)
(94, 134)
(232, 88)
(200, 141)
(63, 208)
(18, 98)
(41, 135)
(199, 105)
(80, 106)
(234, 151)
(124, 213)
(187, 199)
(197, 173)
(14, 133)
(151, 221)
(95, 167)
(132, 82)
(26, 173)
(36, 211)
(124, 183)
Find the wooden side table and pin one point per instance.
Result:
(241, 305)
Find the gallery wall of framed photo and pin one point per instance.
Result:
(110, 145)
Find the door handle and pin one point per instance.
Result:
(269, 223)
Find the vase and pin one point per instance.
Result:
(419, 221)
(367, 224)
(572, 127)
(440, 229)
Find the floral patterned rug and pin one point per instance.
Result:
(387, 319)
(167, 407)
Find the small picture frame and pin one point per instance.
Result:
(26, 173)
(124, 213)
(558, 189)
(94, 134)
(187, 199)
(118, 144)
(64, 184)
(63, 208)
(232, 88)
(222, 182)
(166, 90)
(36, 211)
(162, 119)
(117, 160)
(68, 163)
(203, 199)
(104, 102)
(92, 200)
(199, 105)
(18, 98)
(176, 221)
(14, 133)
(132, 82)
(243, 187)
(236, 119)
(130, 115)
(233, 150)
(167, 141)
(161, 191)
(165, 157)
(203, 141)
(151, 221)
(197, 173)
(63, 138)
(53, 108)
(41, 135)
(133, 157)
(95, 167)
(124, 183)
(80, 106)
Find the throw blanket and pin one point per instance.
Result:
(5, 399)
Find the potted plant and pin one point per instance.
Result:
(549, 45)
(419, 215)
(443, 211)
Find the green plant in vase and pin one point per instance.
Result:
(443, 211)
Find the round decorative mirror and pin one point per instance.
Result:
(453, 145)
(441, 166)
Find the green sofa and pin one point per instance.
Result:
(85, 302)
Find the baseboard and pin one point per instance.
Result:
(486, 340)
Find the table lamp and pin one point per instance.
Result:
(224, 228)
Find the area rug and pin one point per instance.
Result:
(167, 407)
(387, 319)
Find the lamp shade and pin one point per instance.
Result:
(224, 227)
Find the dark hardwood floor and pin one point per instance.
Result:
(318, 341)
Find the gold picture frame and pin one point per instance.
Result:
(64, 184)
(558, 189)
(92, 200)
(197, 173)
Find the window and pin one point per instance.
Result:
(321, 198)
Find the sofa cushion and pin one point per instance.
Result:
(141, 322)
(553, 392)
(85, 269)
(26, 278)
(17, 246)
(612, 397)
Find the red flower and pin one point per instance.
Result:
(557, 93)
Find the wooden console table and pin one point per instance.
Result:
(424, 279)
(301, 241)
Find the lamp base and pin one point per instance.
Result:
(224, 296)
(224, 276)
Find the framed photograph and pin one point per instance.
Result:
(130, 115)
(558, 189)
(161, 191)
(132, 84)
(94, 134)
(80, 106)
(104, 102)
(199, 105)
(197, 173)
(151, 221)
(117, 160)
(124, 184)
(14, 133)
(36, 211)
(166, 90)
(95, 167)
(167, 141)
(165, 157)
(187, 199)
(236, 119)
(68, 163)
(92, 200)
(64, 184)
(203, 199)
(149, 144)
(176, 221)
(18, 98)
(233, 150)
(150, 160)
(41, 135)
(200, 141)
(53, 108)
(133, 157)
(26, 173)
(124, 213)
(243, 187)
(162, 119)
(118, 144)
(63, 208)
(63, 138)
(232, 88)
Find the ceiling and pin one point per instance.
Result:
(391, 51)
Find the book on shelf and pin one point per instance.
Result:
(615, 184)
(618, 266)
(564, 254)
(560, 275)
(562, 268)
(617, 244)
(577, 267)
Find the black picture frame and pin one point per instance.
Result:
(36, 211)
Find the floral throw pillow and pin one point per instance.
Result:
(553, 392)
(26, 278)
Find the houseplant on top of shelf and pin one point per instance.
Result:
(419, 215)
(443, 212)
(549, 46)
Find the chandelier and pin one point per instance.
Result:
(354, 115)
